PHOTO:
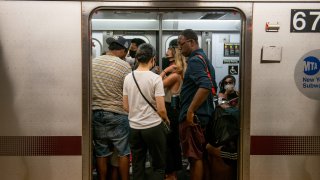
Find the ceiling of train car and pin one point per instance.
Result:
(107, 14)
(104, 14)
(170, 20)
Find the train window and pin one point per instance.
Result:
(219, 33)
(96, 47)
(124, 20)
(169, 40)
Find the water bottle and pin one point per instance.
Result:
(175, 101)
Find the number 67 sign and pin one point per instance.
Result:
(305, 20)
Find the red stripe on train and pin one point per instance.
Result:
(40, 145)
(71, 145)
(285, 145)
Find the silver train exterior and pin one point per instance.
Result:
(45, 59)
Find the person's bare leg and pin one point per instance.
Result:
(216, 151)
(171, 176)
(196, 169)
(124, 167)
(206, 168)
(102, 167)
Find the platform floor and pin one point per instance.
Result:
(182, 174)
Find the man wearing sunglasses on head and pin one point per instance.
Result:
(197, 109)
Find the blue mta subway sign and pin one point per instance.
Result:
(307, 74)
(311, 66)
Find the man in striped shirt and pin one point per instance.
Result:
(110, 122)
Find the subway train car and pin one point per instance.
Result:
(46, 47)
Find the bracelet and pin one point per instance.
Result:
(164, 72)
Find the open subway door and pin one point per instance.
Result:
(220, 33)
(279, 105)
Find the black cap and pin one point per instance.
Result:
(137, 41)
(173, 43)
(119, 40)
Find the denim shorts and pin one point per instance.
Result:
(110, 130)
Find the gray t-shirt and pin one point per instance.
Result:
(141, 114)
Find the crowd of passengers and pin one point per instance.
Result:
(141, 113)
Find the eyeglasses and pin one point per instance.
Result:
(228, 82)
(181, 44)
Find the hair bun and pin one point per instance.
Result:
(141, 57)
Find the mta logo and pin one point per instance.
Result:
(311, 65)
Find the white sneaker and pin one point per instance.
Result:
(148, 164)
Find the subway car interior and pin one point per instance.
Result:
(219, 34)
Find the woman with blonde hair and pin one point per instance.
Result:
(172, 81)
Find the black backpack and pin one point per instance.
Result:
(225, 126)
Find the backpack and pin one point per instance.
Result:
(224, 127)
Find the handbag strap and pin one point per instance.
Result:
(134, 78)
(213, 90)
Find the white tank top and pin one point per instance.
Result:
(169, 93)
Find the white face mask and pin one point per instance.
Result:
(229, 87)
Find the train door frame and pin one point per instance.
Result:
(246, 11)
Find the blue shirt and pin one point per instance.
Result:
(196, 77)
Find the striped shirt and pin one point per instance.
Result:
(108, 73)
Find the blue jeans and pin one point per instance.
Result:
(110, 130)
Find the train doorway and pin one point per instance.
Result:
(220, 34)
